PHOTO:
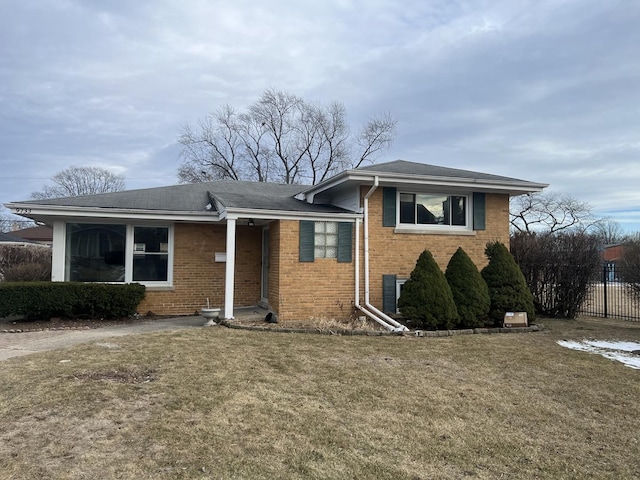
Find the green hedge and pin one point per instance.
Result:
(69, 299)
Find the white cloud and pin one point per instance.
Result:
(540, 90)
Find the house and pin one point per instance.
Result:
(42, 234)
(15, 241)
(342, 246)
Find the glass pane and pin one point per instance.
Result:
(332, 227)
(94, 252)
(151, 239)
(319, 252)
(151, 268)
(319, 239)
(320, 227)
(430, 209)
(407, 208)
(458, 211)
(332, 240)
(332, 252)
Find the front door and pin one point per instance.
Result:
(264, 289)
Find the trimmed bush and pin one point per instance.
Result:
(69, 299)
(426, 299)
(470, 291)
(507, 287)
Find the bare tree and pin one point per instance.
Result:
(282, 138)
(10, 222)
(75, 181)
(608, 231)
(550, 212)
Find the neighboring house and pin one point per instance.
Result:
(611, 254)
(13, 241)
(41, 234)
(345, 245)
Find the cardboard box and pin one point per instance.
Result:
(515, 319)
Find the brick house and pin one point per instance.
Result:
(344, 245)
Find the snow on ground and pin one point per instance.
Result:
(619, 351)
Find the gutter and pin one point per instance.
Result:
(368, 309)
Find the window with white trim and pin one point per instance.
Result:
(433, 210)
(118, 253)
(399, 286)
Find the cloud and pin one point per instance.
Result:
(541, 90)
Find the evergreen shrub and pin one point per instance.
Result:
(470, 291)
(426, 299)
(508, 289)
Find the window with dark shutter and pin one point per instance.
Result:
(388, 207)
(307, 234)
(389, 293)
(345, 232)
(479, 211)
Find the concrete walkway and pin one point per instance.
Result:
(17, 344)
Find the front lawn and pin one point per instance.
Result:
(221, 403)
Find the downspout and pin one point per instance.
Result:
(368, 309)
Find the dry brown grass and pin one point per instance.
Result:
(220, 403)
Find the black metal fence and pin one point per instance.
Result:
(608, 296)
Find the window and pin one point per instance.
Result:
(326, 240)
(118, 253)
(95, 253)
(427, 209)
(399, 286)
(151, 254)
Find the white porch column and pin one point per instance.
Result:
(58, 251)
(229, 277)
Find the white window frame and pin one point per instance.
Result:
(399, 283)
(59, 272)
(433, 228)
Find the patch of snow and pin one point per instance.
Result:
(618, 351)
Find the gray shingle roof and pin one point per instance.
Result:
(403, 167)
(195, 198)
(4, 238)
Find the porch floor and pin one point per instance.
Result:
(249, 314)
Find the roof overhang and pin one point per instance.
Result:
(48, 213)
(511, 187)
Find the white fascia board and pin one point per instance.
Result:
(495, 186)
(55, 211)
(290, 215)
(478, 185)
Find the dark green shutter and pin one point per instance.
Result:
(389, 293)
(479, 210)
(307, 233)
(389, 207)
(345, 232)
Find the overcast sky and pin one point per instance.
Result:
(543, 90)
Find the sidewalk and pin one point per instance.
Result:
(18, 344)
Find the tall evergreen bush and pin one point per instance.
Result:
(426, 298)
(470, 291)
(507, 287)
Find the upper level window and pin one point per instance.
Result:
(433, 209)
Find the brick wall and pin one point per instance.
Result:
(322, 288)
(196, 275)
(397, 253)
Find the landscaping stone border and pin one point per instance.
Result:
(369, 333)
